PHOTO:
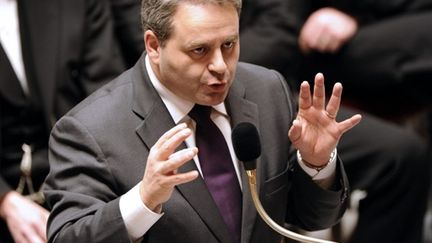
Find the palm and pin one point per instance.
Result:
(315, 132)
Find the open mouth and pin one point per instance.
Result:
(217, 87)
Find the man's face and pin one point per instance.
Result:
(199, 59)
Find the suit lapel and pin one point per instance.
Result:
(244, 111)
(156, 121)
(197, 194)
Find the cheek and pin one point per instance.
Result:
(185, 79)
(183, 67)
(233, 60)
(193, 73)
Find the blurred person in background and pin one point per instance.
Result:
(53, 53)
(127, 29)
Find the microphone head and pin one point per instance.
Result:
(246, 143)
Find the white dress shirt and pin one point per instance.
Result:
(137, 217)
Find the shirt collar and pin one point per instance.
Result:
(177, 106)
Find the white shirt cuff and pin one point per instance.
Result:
(137, 217)
(327, 172)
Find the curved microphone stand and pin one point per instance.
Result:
(247, 147)
(276, 227)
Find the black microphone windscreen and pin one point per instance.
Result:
(246, 143)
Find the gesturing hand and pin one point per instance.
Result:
(161, 175)
(315, 132)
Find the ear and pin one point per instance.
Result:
(152, 46)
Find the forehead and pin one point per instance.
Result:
(192, 21)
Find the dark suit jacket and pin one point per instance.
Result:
(69, 51)
(98, 152)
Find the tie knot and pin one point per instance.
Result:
(200, 113)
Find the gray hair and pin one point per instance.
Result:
(157, 15)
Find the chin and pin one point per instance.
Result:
(218, 100)
(211, 99)
(211, 102)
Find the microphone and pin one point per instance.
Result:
(247, 147)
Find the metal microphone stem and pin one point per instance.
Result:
(281, 230)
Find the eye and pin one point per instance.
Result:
(228, 45)
(199, 50)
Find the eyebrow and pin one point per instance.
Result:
(194, 44)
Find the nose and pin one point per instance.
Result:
(217, 65)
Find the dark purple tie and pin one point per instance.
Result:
(218, 169)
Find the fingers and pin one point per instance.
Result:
(349, 123)
(326, 42)
(305, 100)
(160, 175)
(319, 92)
(40, 228)
(31, 232)
(27, 237)
(309, 34)
(322, 40)
(170, 133)
(168, 169)
(163, 159)
(295, 131)
(317, 36)
(34, 238)
(305, 38)
(334, 102)
(26, 220)
(334, 46)
(318, 98)
(181, 178)
(170, 140)
(333, 106)
(34, 233)
(178, 159)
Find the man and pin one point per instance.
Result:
(124, 165)
(52, 55)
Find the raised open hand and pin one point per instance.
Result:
(160, 176)
(315, 132)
